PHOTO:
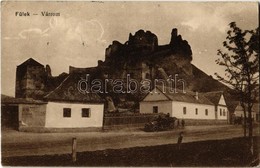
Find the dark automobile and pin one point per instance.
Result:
(160, 124)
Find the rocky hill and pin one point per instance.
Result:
(142, 58)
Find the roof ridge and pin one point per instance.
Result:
(191, 94)
(163, 93)
(186, 91)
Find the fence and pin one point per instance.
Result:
(194, 122)
(138, 119)
(131, 119)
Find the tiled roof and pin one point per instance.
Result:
(12, 100)
(188, 96)
(68, 91)
(214, 97)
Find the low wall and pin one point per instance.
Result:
(118, 120)
(48, 130)
(133, 119)
(204, 122)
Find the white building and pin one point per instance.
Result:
(217, 98)
(68, 108)
(187, 105)
(239, 112)
(64, 107)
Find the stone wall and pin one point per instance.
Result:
(30, 82)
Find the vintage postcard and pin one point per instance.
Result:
(129, 84)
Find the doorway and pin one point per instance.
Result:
(9, 117)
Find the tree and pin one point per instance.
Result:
(241, 60)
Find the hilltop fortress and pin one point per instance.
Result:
(143, 58)
(140, 57)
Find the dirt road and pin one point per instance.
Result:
(25, 144)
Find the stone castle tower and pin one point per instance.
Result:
(30, 77)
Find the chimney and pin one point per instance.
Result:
(197, 95)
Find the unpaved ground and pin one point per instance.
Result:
(214, 153)
(26, 144)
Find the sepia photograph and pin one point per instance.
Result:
(130, 84)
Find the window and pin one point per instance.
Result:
(220, 112)
(224, 112)
(206, 112)
(196, 111)
(85, 112)
(155, 109)
(184, 110)
(66, 112)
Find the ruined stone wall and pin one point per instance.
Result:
(30, 82)
(141, 56)
(142, 40)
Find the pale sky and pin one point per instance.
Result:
(202, 24)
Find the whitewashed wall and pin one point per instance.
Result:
(156, 96)
(55, 119)
(223, 107)
(222, 117)
(177, 110)
(222, 101)
(163, 106)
